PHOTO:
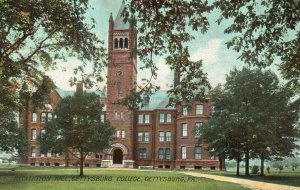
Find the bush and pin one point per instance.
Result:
(254, 169)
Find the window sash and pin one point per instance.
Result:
(161, 136)
(168, 154)
(43, 117)
(34, 117)
(184, 129)
(33, 152)
(147, 118)
(184, 110)
(161, 117)
(161, 154)
(146, 136)
(199, 109)
(168, 136)
(198, 126)
(140, 118)
(169, 118)
(142, 153)
(33, 134)
(123, 134)
(198, 152)
(140, 137)
(183, 152)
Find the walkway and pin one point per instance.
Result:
(255, 185)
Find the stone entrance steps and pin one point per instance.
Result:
(117, 166)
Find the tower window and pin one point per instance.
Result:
(121, 45)
(126, 43)
(116, 43)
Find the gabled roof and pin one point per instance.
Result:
(159, 100)
(119, 22)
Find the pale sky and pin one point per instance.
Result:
(210, 47)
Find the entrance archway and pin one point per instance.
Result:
(117, 156)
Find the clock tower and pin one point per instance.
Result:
(121, 78)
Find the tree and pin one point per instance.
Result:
(77, 128)
(12, 138)
(265, 31)
(35, 35)
(247, 121)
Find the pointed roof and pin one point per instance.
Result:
(119, 22)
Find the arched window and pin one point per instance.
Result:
(121, 45)
(160, 153)
(116, 43)
(126, 43)
(168, 153)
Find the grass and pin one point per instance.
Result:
(286, 177)
(99, 178)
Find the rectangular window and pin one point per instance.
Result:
(102, 118)
(146, 136)
(118, 134)
(147, 118)
(140, 118)
(33, 117)
(42, 155)
(122, 115)
(161, 117)
(161, 136)
(44, 117)
(183, 152)
(168, 136)
(198, 151)
(49, 116)
(123, 134)
(33, 134)
(169, 118)
(140, 137)
(33, 152)
(142, 153)
(161, 154)
(43, 131)
(168, 154)
(197, 129)
(184, 110)
(199, 109)
(49, 154)
(184, 129)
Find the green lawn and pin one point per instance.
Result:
(62, 178)
(286, 177)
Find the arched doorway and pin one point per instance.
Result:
(117, 156)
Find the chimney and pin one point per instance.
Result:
(79, 87)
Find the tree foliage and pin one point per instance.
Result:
(163, 28)
(77, 128)
(265, 31)
(254, 117)
(35, 35)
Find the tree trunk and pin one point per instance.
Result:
(238, 167)
(247, 163)
(81, 164)
(262, 167)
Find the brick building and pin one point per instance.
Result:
(155, 136)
